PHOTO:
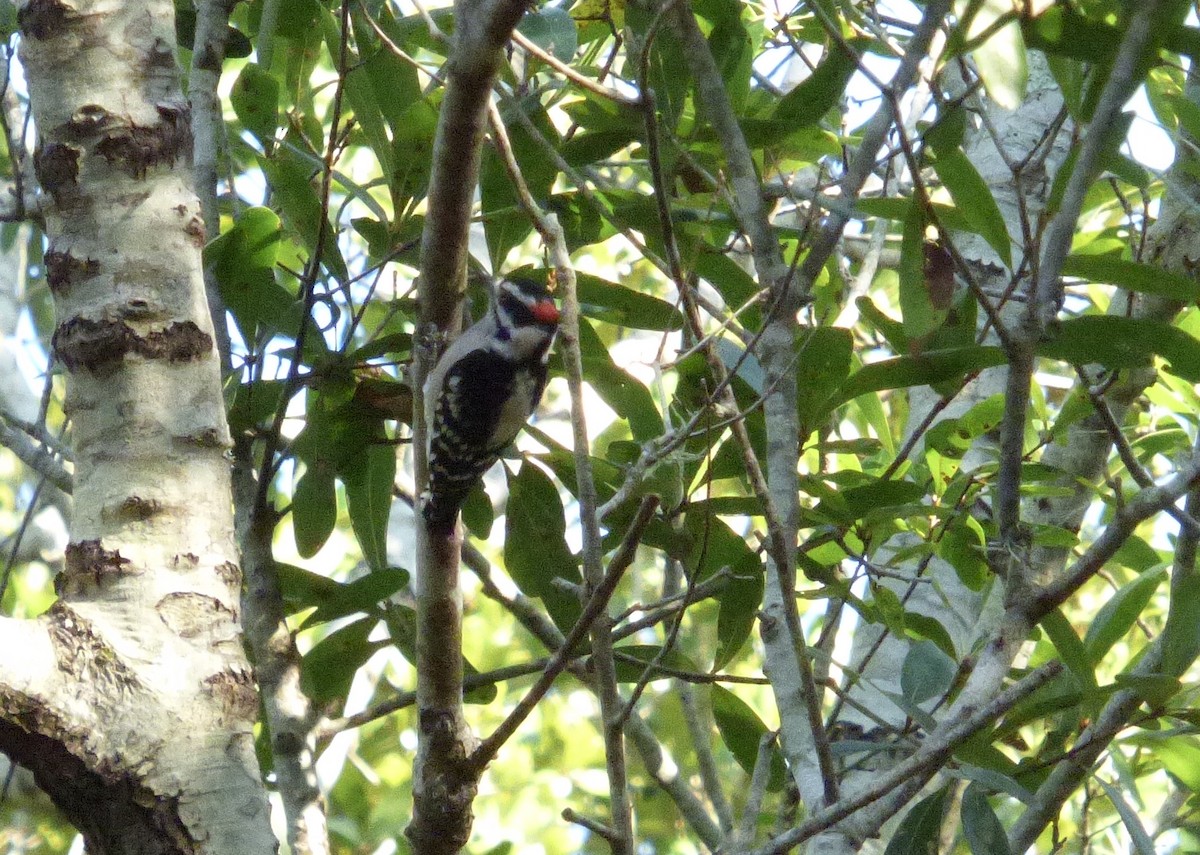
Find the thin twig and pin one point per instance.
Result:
(571, 74)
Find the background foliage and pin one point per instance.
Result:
(315, 268)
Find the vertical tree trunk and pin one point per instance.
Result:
(131, 698)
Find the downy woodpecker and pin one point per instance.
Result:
(482, 391)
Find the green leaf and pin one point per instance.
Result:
(922, 626)
(1133, 276)
(361, 95)
(880, 494)
(552, 29)
(735, 285)
(369, 478)
(927, 672)
(731, 47)
(243, 261)
(918, 831)
(934, 366)
(954, 437)
(645, 654)
(823, 358)
(330, 666)
(1182, 633)
(535, 546)
(1070, 649)
(741, 730)
(740, 602)
(985, 835)
(478, 513)
(290, 181)
(1064, 32)
(973, 197)
(1120, 613)
(993, 780)
(921, 317)
(1121, 342)
(314, 509)
(962, 546)
(1001, 58)
(615, 304)
(1154, 689)
(255, 99)
(587, 148)
(361, 595)
(817, 94)
(1181, 757)
(628, 397)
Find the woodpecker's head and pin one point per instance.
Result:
(526, 315)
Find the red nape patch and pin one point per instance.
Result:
(545, 312)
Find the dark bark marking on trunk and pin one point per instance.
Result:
(63, 269)
(91, 344)
(88, 557)
(133, 509)
(56, 166)
(136, 148)
(41, 19)
(237, 693)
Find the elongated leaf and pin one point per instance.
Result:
(1120, 612)
(369, 477)
(1120, 342)
(1181, 757)
(740, 602)
(741, 730)
(314, 509)
(823, 362)
(535, 545)
(921, 312)
(615, 304)
(918, 830)
(985, 835)
(1183, 626)
(645, 654)
(996, 781)
(817, 94)
(927, 672)
(962, 546)
(628, 397)
(1001, 58)
(330, 666)
(552, 29)
(255, 100)
(972, 196)
(361, 595)
(933, 366)
(1070, 649)
(298, 203)
(1133, 276)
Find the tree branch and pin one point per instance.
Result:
(444, 781)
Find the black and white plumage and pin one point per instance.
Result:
(482, 391)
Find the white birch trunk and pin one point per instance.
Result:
(131, 698)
